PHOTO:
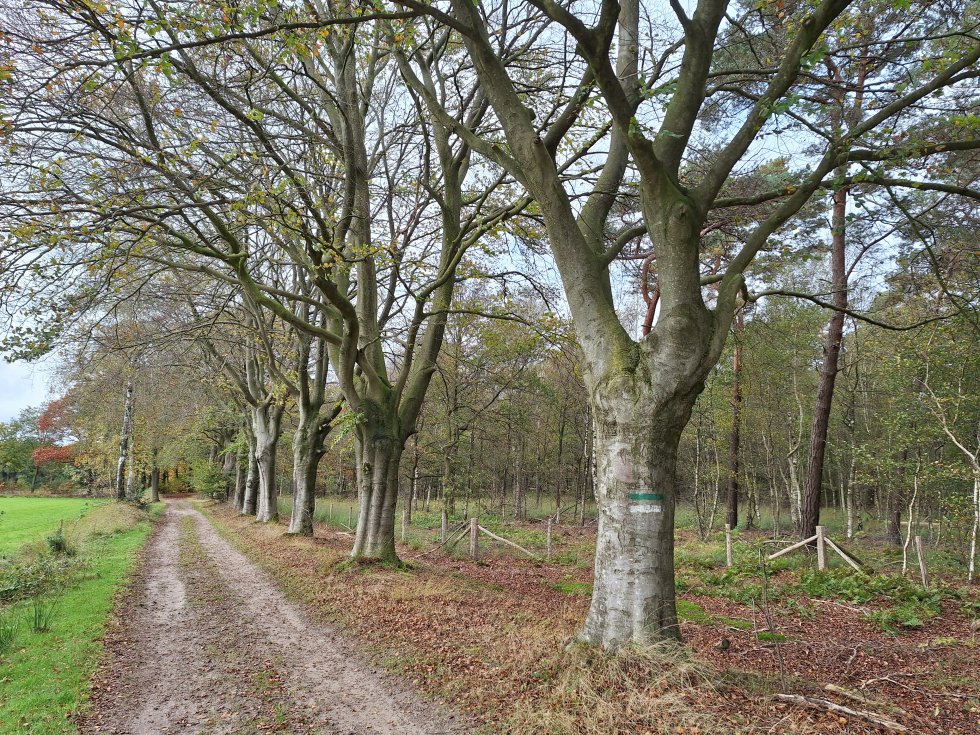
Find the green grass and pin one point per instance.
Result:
(44, 677)
(26, 519)
(574, 588)
(693, 612)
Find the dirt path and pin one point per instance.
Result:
(206, 643)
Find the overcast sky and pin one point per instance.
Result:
(21, 385)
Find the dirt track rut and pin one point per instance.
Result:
(206, 643)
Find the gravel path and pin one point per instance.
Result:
(206, 643)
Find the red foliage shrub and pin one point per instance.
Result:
(48, 453)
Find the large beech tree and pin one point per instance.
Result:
(642, 391)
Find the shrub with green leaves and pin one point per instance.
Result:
(910, 604)
(37, 576)
(137, 497)
(208, 479)
(843, 584)
(910, 615)
(58, 544)
(8, 630)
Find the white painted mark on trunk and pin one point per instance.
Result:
(646, 509)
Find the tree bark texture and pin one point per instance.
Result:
(307, 452)
(735, 435)
(238, 497)
(127, 430)
(378, 453)
(155, 484)
(266, 425)
(828, 372)
(636, 456)
(251, 490)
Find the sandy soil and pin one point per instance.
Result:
(205, 642)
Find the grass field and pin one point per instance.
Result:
(26, 519)
(44, 676)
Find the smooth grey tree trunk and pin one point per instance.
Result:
(307, 452)
(250, 500)
(266, 426)
(228, 464)
(251, 492)
(636, 454)
(378, 458)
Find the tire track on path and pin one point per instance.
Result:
(207, 643)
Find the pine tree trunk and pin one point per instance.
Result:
(828, 372)
(895, 524)
(734, 437)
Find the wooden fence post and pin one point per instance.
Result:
(922, 561)
(821, 549)
(474, 538)
(445, 525)
(330, 511)
(549, 539)
(350, 517)
(405, 523)
(728, 544)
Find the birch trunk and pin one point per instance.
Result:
(972, 566)
(127, 430)
(131, 480)
(251, 490)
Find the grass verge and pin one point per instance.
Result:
(44, 675)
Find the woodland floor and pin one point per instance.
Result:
(205, 642)
(490, 638)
